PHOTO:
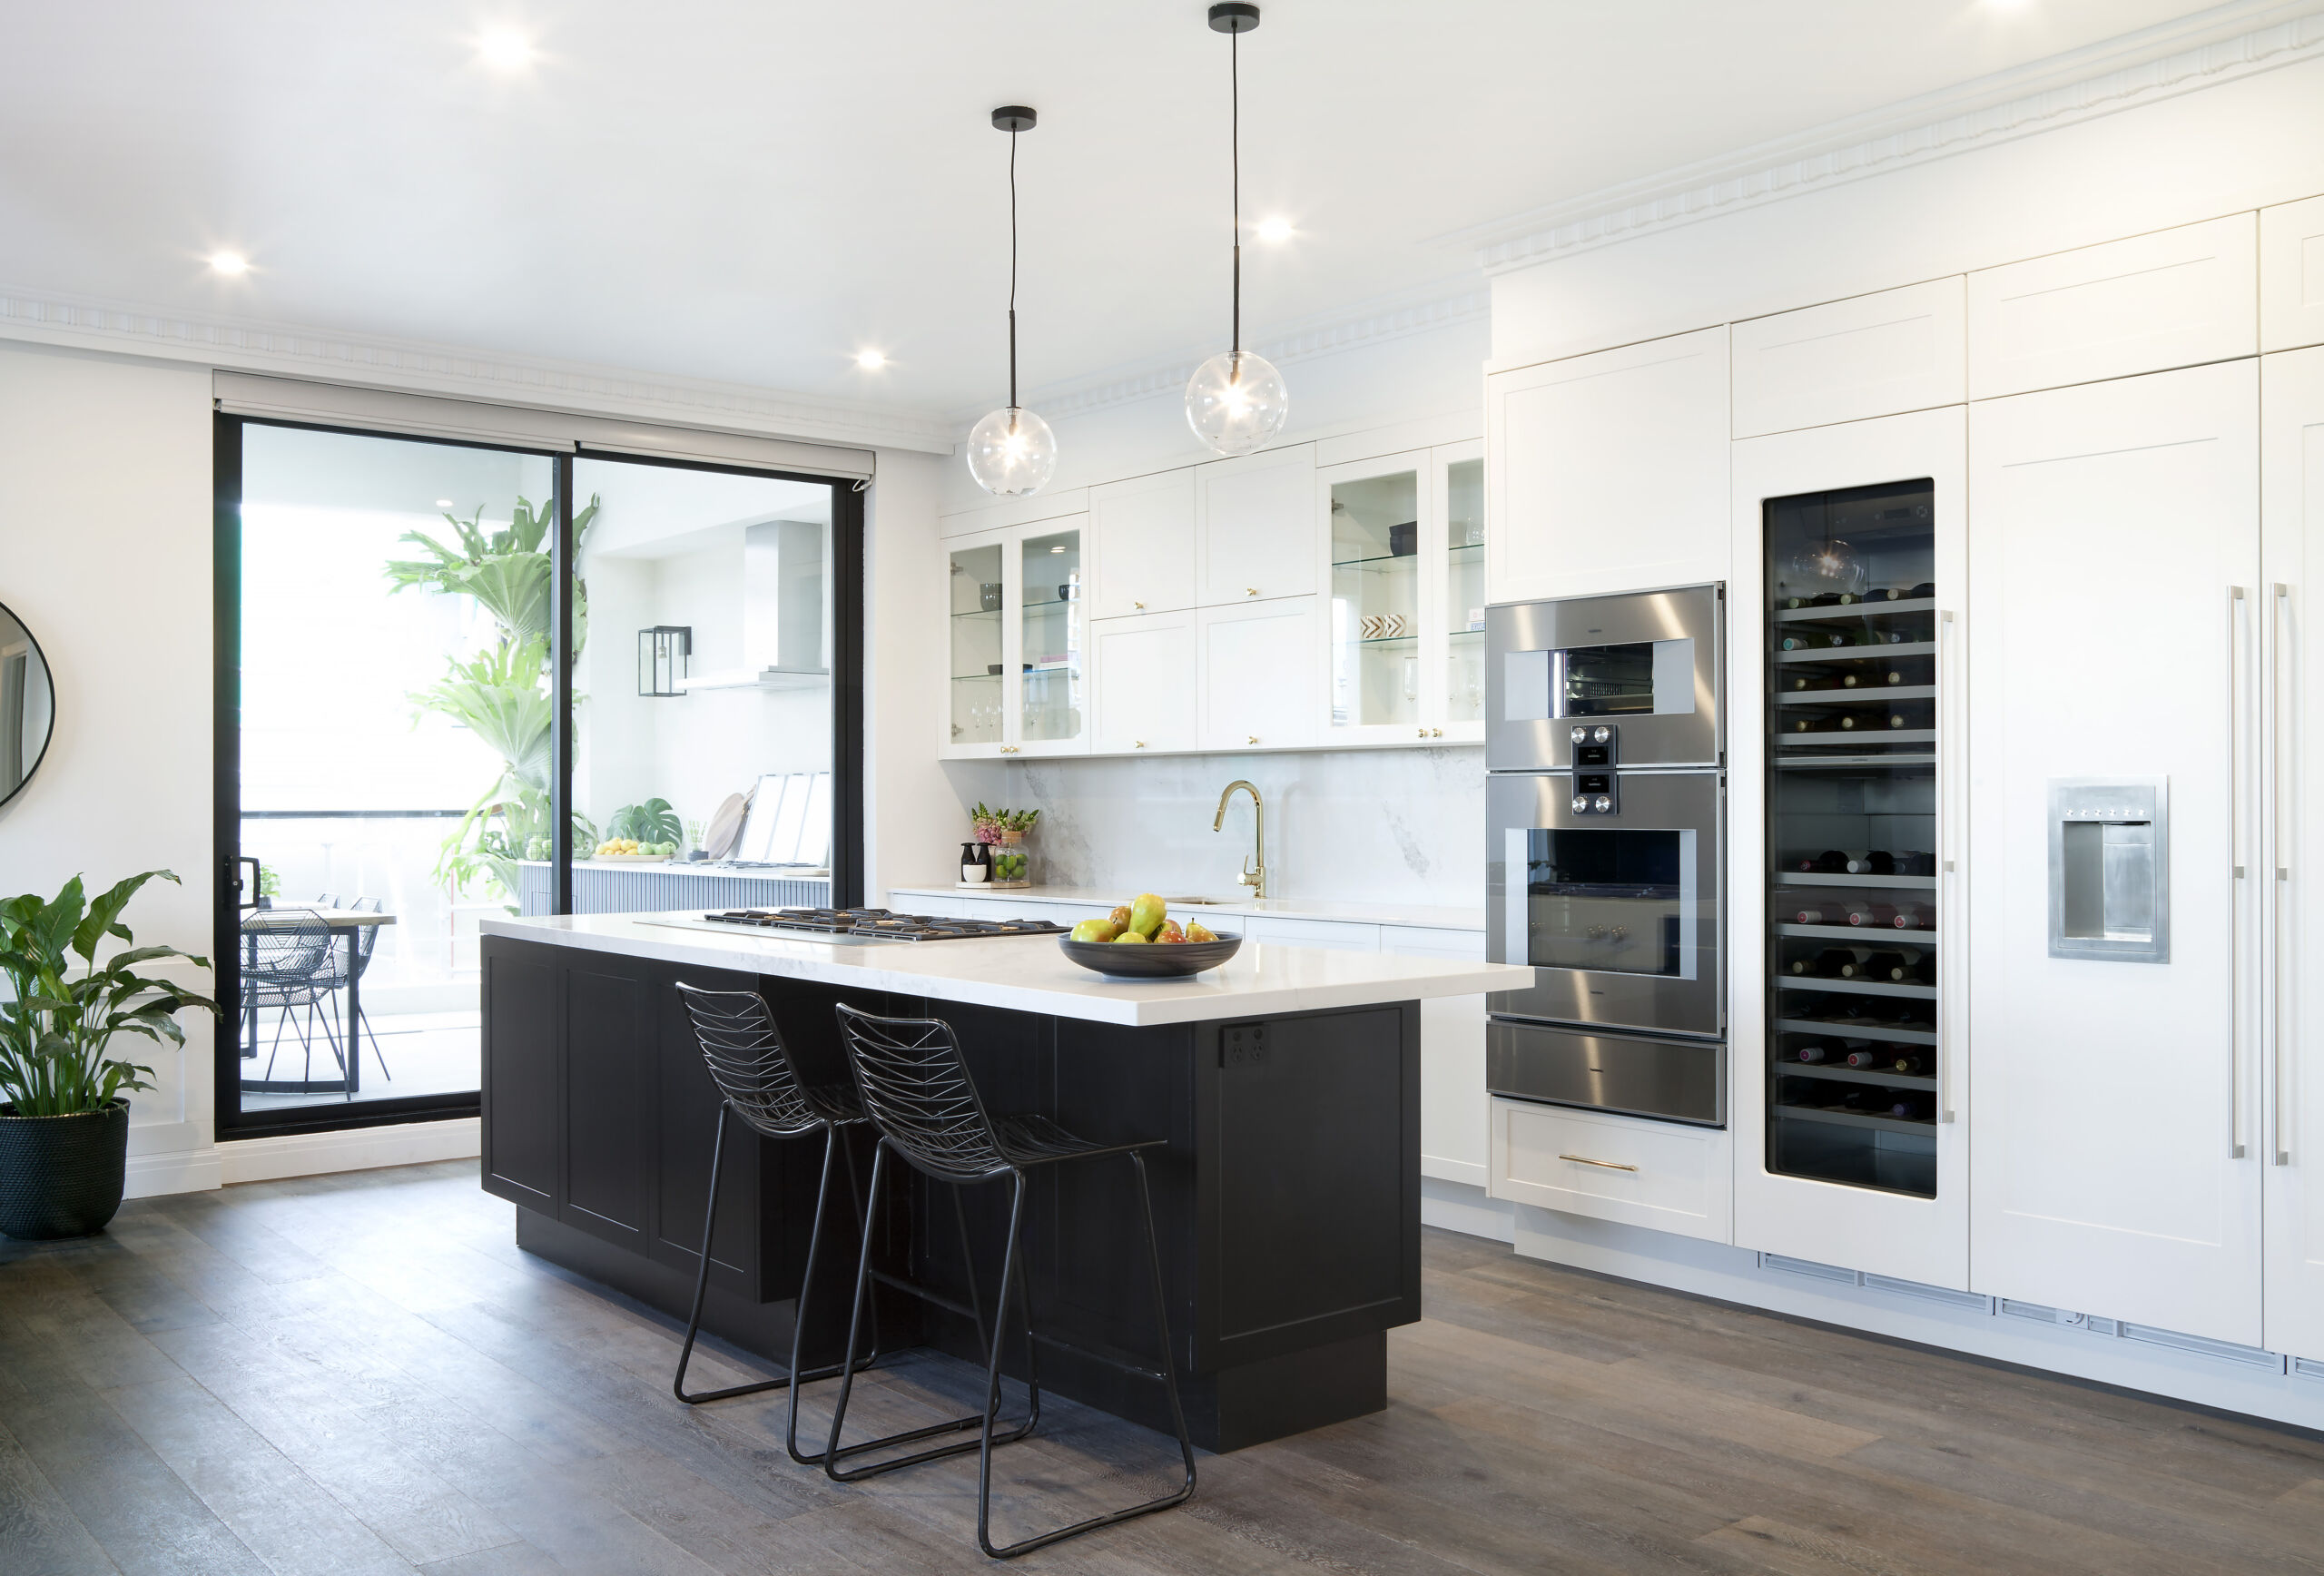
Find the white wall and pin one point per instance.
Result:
(2245, 143)
(105, 554)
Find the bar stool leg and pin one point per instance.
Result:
(702, 1275)
(1169, 1375)
(833, 1139)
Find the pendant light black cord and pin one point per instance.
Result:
(1012, 274)
(1235, 141)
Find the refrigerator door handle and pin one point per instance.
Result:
(2237, 606)
(1948, 909)
(2279, 611)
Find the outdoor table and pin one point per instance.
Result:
(348, 921)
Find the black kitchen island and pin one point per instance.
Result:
(1287, 1202)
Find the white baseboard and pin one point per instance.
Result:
(352, 1149)
(1459, 1207)
(2207, 1373)
(178, 1171)
(1466, 1172)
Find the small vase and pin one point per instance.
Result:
(1012, 860)
(62, 1175)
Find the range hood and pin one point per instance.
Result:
(786, 643)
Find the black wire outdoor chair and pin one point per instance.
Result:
(356, 960)
(917, 1091)
(286, 953)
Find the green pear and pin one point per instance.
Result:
(1095, 931)
(1147, 913)
(1129, 936)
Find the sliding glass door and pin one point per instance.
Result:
(400, 756)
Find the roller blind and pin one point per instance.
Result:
(520, 426)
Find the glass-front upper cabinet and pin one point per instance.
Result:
(1018, 642)
(1403, 544)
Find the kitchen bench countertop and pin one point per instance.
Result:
(1101, 901)
(1029, 973)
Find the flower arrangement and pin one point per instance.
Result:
(1004, 830)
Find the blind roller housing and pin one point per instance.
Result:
(521, 426)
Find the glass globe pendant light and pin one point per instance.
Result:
(1236, 401)
(1012, 451)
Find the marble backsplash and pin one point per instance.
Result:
(1352, 825)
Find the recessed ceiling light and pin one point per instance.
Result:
(443, 503)
(229, 263)
(870, 361)
(1273, 231)
(504, 49)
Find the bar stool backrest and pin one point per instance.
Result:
(290, 948)
(747, 1060)
(916, 1090)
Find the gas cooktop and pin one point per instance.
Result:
(876, 924)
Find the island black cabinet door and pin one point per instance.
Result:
(522, 1083)
(609, 1050)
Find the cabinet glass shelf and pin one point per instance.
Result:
(1391, 559)
(1872, 787)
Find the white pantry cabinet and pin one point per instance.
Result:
(1255, 522)
(1142, 675)
(2291, 448)
(1400, 545)
(1796, 1213)
(1258, 675)
(1142, 545)
(1017, 673)
(1608, 472)
(2176, 298)
(1848, 360)
(2114, 593)
(2291, 275)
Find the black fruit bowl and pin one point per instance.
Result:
(1154, 961)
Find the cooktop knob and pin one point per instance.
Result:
(1603, 803)
(1582, 805)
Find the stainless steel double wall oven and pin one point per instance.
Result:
(1606, 811)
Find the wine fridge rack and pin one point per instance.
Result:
(1865, 793)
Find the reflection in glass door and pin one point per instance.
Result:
(1375, 601)
(1465, 593)
(976, 639)
(1049, 628)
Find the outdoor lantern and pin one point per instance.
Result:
(661, 654)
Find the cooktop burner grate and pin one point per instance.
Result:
(881, 924)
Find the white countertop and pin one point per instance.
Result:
(1030, 974)
(1100, 902)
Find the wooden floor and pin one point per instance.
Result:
(361, 1374)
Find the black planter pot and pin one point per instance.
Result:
(62, 1175)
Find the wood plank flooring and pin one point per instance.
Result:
(361, 1374)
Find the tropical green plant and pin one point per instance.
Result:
(502, 694)
(652, 821)
(57, 1030)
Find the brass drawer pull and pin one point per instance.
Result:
(1586, 1160)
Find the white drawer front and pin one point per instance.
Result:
(1657, 1174)
(2178, 298)
(2291, 275)
(1336, 934)
(1427, 941)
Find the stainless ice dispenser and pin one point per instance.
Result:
(2109, 869)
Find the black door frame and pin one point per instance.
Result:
(228, 1120)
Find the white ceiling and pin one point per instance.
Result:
(752, 192)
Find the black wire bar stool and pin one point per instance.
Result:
(917, 1091)
(757, 1082)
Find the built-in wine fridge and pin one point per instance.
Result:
(1852, 801)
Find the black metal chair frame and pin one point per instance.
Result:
(269, 984)
(757, 1082)
(334, 975)
(916, 1090)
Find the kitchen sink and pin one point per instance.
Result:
(1198, 903)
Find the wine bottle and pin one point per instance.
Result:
(1847, 681)
(1911, 1107)
(1913, 861)
(1871, 862)
(1911, 1066)
(1924, 969)
(1890, 966)
(1895, 677)
(1816, 1051)
(1800, 683)
(1908, 917)
(1856, 913)
(1824, 599)
(1925, 590)
(1840, 963)
(1815, 916)
(1866, 1058)
(1897, 719)
(1847, 721)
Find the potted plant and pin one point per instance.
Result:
(63, 1126)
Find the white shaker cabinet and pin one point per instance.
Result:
(1795, 1211)
(1259, 682)
(1846, 361)
(1142, 545)
(1255, 527)
(2293, 508)
(1144, 682)
(2176, 298)
(1608, 472)
(2291, 275)
(1017, 669)
(2114, 600)
(1454, 1143)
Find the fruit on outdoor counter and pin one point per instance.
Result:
(621, 845)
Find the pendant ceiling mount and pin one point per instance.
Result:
(1236, 401)
(1012, 452)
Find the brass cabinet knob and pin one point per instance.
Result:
(1250, 590)
(1420, 732)
(1254, 738)
(1138, 744)
(1140, 606)
(1436, 733)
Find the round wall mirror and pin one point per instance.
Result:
(27, 706)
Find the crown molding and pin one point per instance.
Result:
(419, 367)
(1440, 304)
(2217, 46)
